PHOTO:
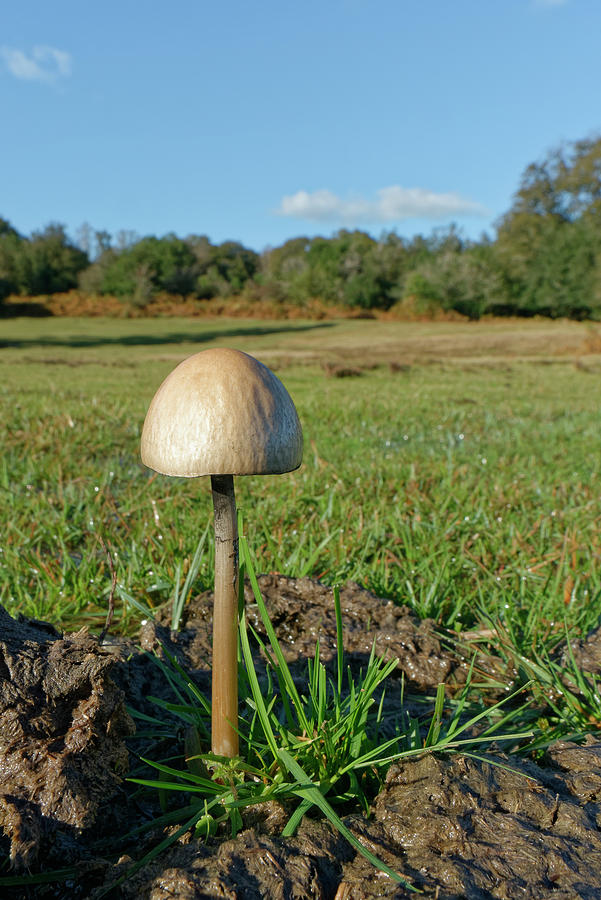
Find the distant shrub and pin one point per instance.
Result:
(467, 282)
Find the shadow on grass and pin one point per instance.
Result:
(32, 310)
(174, 337)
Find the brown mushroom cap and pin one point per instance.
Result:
(222, 412)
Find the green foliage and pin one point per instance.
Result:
(233, 265)
(349, 269)
(562, 276)
(190, 267)
(45, 263)
(10, 253)
(549, 241)
(150, 265)
(467, 281)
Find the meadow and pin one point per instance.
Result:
(455, 470)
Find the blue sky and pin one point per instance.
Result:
(264, 121)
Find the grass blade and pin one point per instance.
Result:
(310, 793)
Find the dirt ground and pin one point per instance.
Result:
(453, 826)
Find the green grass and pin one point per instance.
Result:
(465, 493)
(469, 491)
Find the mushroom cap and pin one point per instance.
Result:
(222, 412)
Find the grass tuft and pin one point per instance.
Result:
(318, 747)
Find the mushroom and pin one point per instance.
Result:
(222, 413)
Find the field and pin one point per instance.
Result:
(451, 467)
(457, 473)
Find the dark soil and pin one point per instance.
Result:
(452, 826)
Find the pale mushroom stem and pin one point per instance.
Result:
(224, 738)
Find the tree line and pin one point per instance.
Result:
(545, 259)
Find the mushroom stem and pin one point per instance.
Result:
(224, 738)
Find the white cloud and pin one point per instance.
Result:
(45, 64)
(391, 204)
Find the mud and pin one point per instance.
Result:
(453, 827)
(253, 865)
(480, 830)
(302, 611)
(63, 726)
(586, 653)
